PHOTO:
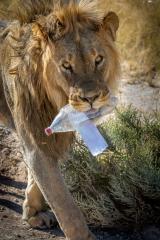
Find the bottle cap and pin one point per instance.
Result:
(48, 131)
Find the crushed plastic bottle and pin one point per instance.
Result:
(92, 137)
(84, 123)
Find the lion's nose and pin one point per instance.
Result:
(89, 99)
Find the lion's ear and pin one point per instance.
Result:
(111, 24)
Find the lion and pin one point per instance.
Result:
(53, 54)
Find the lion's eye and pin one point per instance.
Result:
(98, 60)
(67, 66)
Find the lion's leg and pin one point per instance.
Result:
(47, 175)
(34, 204)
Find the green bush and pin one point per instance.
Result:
(121, 187)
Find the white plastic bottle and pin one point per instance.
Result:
(69, 119)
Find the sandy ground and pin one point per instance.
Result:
(13, 179)
(140, 96)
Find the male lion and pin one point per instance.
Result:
(52, 55)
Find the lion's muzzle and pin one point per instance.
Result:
(85, 100)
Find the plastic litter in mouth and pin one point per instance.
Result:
(69, 119)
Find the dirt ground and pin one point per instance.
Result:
(13, 180)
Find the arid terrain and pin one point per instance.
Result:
(13, 179)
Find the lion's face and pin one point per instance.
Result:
(83, 65)
(84, 59)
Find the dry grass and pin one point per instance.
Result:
(122, 186)
(138, 38)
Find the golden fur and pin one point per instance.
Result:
(48, 58)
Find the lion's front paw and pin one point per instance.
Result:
(42, 220)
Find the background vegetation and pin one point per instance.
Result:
(138, 38)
